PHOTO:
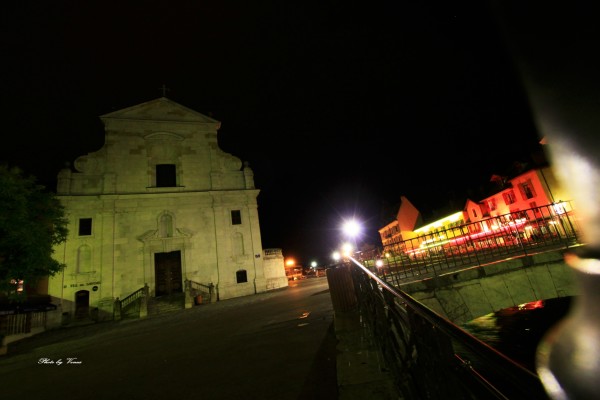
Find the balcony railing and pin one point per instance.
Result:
(539, 229)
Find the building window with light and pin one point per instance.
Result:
(19, 285)
(492, 204)
(85, 226)
(236, 217)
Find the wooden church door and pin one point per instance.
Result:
(167, 270)
(82, 304)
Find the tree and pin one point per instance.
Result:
(32, 221)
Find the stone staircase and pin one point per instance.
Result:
(166, 304)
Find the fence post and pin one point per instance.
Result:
(144, 301)
(117, 310)
(211, 290)
(188, 301)
(341, 288)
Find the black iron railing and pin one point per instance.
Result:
(430, 357)
(13, 323)
(539, 229)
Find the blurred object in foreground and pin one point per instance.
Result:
(554, 47)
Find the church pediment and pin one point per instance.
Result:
(155, 234)
(161, 109)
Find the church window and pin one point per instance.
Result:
(166, 226)
(84, 259)
(166, 175)
(241, 276)
(236, 217)
(238, 244)
(85, 227)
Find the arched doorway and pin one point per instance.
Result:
(82, 304)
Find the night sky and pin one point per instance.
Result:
(339, 108)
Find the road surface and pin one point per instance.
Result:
(276, 345)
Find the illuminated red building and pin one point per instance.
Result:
(530, 189)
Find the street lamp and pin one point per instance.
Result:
(351, 228)
(336, 256)
(347, 249)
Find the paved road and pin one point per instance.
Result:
(277, 345)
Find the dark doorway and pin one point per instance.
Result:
(82, 304)
(167, 269)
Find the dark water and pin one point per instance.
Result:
(516, 332)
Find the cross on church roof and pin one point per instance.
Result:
(164, 90)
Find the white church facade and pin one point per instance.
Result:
(158, 206)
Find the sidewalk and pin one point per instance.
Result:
(361, 371)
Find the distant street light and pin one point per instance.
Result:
(347, 249)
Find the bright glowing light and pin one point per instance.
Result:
(351, 228)
(379, 263)
(336, 255)
(457, 216)
(347, 249)
(290, 262)
(559, 208)
(531, 305)
(313, 264)
(18, 283)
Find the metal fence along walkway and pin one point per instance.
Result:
(428, 356)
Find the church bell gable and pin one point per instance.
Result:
(157, 145)
(161, 109)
